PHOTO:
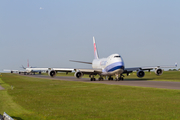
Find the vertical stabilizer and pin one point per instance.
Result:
(95, 49)
(28, 63)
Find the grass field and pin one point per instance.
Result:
(166, 76)
(34, 99)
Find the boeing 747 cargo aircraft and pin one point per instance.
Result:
(110, 66)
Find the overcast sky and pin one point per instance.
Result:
(50, 33)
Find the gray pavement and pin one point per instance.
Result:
(139, 83)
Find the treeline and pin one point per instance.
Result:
(174, 69)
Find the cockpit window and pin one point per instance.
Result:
(117, 56)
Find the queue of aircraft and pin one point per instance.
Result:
(109, 67)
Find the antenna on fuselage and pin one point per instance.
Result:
(95, 49)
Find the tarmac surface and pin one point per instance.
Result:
(126, 82)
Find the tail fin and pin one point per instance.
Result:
(28, 63)
(95, 49)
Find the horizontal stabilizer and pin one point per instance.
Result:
(81, 62)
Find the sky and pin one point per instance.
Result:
(50, 33)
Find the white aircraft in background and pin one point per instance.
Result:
(110, 66)
(32, 70)
(28, 70)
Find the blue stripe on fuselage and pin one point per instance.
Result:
(114, 66)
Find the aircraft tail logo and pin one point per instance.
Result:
(95, 49)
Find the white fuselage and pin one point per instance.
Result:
(36, 69)
(111, 65)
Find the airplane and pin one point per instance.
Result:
(28, 70)
(109, 67)
(32, 70)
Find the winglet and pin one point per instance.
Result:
(95, 49)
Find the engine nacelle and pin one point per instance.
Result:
(158, 71)
(78, 74)
(140, 73)
(52, 73)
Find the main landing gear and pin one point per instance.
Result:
(121, 78)
(94, 79)
(118, 78)
(101, 78)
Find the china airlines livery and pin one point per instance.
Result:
(110, 66)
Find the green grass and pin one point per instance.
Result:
(166, 76)
(6, 102)
(35, 98)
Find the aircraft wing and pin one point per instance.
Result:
(12, 71)
(84, 71)
(38, 69)
(52, 71)
(61, 69)
(129, 70)
(89, 71)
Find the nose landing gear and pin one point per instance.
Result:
(92, 78)
(119, 78)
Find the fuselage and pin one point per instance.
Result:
(36, 69)
(111, 65)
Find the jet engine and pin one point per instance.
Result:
(78, 74)
(52, 73)
(158, 71)
(140, 73)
